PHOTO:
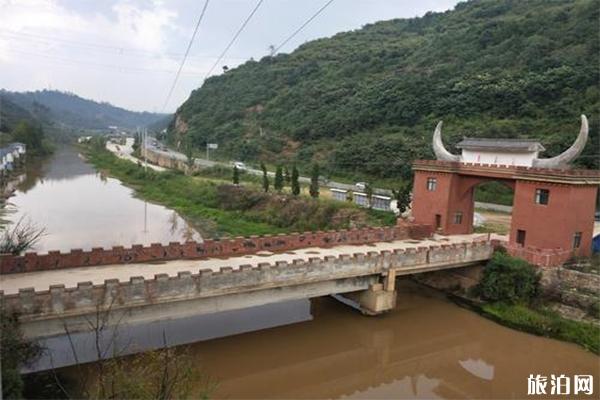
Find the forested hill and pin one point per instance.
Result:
(61, 111)
(367, 101)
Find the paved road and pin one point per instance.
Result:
(125, 152)
(42, 280)
(207, 163)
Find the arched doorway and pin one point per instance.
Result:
(552, 209)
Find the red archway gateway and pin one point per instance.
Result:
(553, 209)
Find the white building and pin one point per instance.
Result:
(84, 139)
(520, 152)
(378, 202)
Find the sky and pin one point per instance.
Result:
(127, 52)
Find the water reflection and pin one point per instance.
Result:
(81, 208)
(427, 348)
(59, 351)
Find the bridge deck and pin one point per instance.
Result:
(42, 280)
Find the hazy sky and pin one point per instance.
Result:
(127, 52)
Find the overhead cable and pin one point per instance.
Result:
(187, 51)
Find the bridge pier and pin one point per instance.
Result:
(377, 299)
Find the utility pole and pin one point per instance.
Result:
(145, 150)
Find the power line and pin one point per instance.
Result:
(118, 68)
(308, 21)
(187, 51)
(234, 39)
(120, 50)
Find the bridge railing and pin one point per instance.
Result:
(60, 301)
(229, 247)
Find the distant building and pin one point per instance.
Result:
(500, 151)
(378, 202)
(10, 154)
(339, 194)
(84, 139)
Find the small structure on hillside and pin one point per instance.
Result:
(553, 208)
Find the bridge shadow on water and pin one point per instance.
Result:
(426, 348)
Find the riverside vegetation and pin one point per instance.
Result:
(218, 208)
(511, 294)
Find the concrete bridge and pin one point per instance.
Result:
(53, 293)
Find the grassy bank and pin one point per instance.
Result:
(217, 208)
(544, 322)
(510, 294)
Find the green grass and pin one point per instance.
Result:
(544, 322)
(196, 199)
(490, 227)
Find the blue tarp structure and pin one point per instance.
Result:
(596, 244)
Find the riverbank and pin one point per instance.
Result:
(545, 322)
(517, 295)
(538, 320)
(217, 209)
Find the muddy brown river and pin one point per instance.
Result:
(81, 208)
(428, 348)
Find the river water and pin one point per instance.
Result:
(428, 348)
(81, 208)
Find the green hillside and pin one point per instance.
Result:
(65, 114)
(364, 103)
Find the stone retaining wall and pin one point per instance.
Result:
(539, 257)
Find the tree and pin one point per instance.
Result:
(31, 135)
(15, 352)
(350, 196)
(165, 373)
(402, 196)
(295, 183)
(314, 182)
(265, 180)
(137, 140)
(236, 175)
(369, 194)
(278, 184)
(286, 175)
(189, 155)
(508, 279)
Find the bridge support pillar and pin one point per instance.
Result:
(373, 301)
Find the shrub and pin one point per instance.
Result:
(508, 279)
(15, 352)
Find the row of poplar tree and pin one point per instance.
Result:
(283, 178)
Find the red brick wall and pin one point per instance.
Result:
(552, 226)
(570, 209)
(454, 193)
(209, 248)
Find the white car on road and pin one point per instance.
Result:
(239, 165)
